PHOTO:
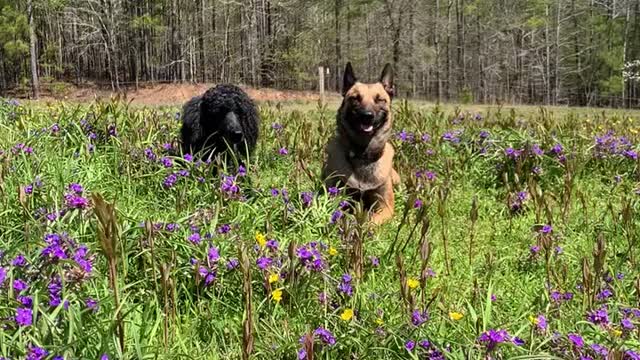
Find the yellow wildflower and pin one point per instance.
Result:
(616, 332)
(333, 251)
(533, 320)
(455, 316)
(346, 315)
(261, 239)
(413, 283)
(379, 321)
(273, 278)
(276, 295)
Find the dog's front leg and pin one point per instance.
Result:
(384, 204)
(395, 177)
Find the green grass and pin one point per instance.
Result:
(167, 311)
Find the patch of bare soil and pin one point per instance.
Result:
(175, 94)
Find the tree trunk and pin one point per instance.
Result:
(338, 62)
(32, 50)
(436, 41)
(625, 102)
(202, 50)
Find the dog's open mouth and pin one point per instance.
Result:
(366, 128)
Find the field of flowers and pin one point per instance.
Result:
(515, 236)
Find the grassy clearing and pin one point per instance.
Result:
(481, 278)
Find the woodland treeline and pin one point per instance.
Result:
(576, 52)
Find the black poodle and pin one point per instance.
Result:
(221, 119)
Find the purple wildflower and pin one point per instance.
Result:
(333, 191)
(417, 204)
(195, 238)
(208, 275)
(599, 316)
(418, 318)
(405, 136)
(264, 262)
(92, 304)
(541, 323)
(111, 130)
(283, 151)
(345, 285)
(310, 257)
(536, 150)
(229, 186)
(491, 338)
(272, 245)
(546, 229)
(232, 264)
(55, 292)
(375, 262)
(36, 353)
(166, 162)
(576, 340)
(631, 355)
(169, 181)
(452, 136)
(325, 336)
(322, 298)
(19, 261)
(557, 149)
(224, 229)
(76, 188)
(627, 324)
(302, 354)
(74, 201)
(26, 301)
(337, 215)
(307, 198)
(19, 285)
(24, 316)
(149, 154)
(410, 345)
(605, 294)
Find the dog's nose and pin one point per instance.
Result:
(236, 136)
(368, 115)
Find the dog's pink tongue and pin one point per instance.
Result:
(366, 128)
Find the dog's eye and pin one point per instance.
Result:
(380, 99)
(356, 98)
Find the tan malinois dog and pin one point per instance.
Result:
(359, 156)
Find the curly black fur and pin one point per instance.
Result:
(223, 118)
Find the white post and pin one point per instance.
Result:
(321, 84)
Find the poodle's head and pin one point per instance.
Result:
(223, 119)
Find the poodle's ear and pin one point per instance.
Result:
(349, 79)
(386, 79)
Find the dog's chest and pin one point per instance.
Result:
(365, 175)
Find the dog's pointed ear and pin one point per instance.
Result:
(386, 79)
(349, 79)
